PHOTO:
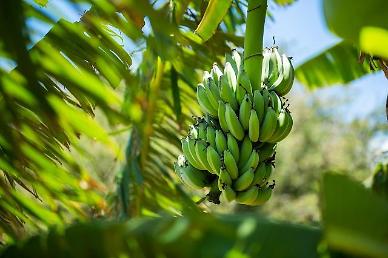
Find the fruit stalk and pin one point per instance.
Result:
(253, 42)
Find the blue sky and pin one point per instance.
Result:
(300, 31)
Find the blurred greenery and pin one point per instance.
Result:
(88, 137)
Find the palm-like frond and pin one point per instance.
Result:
(49, 100)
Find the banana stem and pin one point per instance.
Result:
(253, 43)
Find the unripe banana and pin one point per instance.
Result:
(192, 177)
(267, 151)
(275, 66)
(245, 110)
(228, 193)
(233, 146)
(224, 179)
(226, 93)
(268, 126)
(237, 60)
(231, 76)
(258, 104)
(265, 66)
(192, 160)
(244, 82)
(213, 99)
(247, 197)
(245, 151)
(263, 195)
(276, 102)
(214, 89)
(221, 116)
(260, 174)
(204, 102)
(266, 98)
(254, 126)
(202, 130)
(221, 145)
(288, 77)
(197, 163)
(216, 73)
(268, 172)
(213, 159)
(240, 94)
(233, 123)
(283, 129)
(211, 136)
(252, 162)
(244, 181)
(201, 153)
(230, 164)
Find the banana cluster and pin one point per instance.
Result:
(232, 147)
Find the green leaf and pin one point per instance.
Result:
(192, 236)
(215, 12)
(355, 218)
(349, 19)
(336, 65)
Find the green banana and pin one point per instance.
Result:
(231, 76)
(284, 126)
(230, 164)
(260, 174)
(204, 102)
(240, 94)
(201, 153)
(202, 127)
(254, 126)
(252, 162)
(224, 179)
(221, 116)
(268, 126)
(214, 89)
(288, 77)
(228, 193)
(258, 104)
(226, 92)
(220, 142)
(275, 66)
(213, 99)
(247, 197)
(266, 98)
(268, 172)
(211, 136)
(265, 65)
(192, 160)
(276, 102)
(244, 113)
(237, 60)
(216, 73)
(214, 160)
(233, 123)
(233, 146)
(267, 151)
(245, 151)
(263, 195)
(244, 181)
(244, 82)
(192, 177)
(193, 153)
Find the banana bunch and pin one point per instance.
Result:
(232, 147)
